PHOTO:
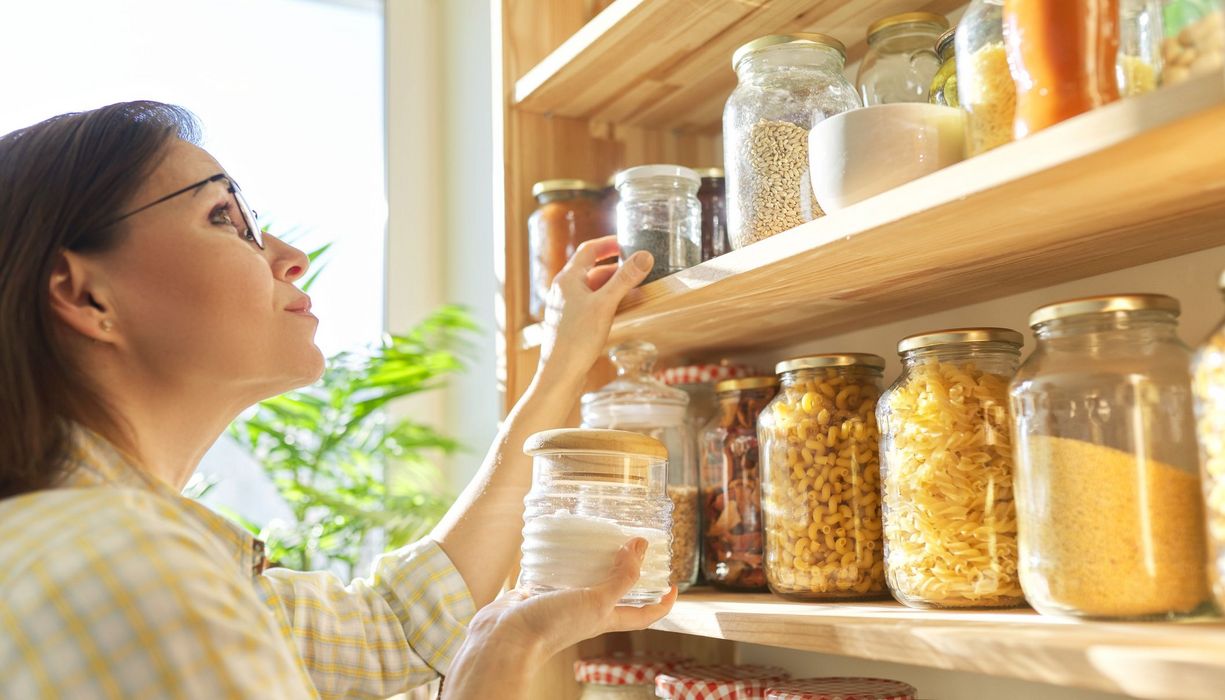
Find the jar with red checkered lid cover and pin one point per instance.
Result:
(719, 682)
(622, 676)
(841, 688)
(699, 382)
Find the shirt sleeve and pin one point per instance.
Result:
(398, 629)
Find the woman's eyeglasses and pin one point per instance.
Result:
(253, 232)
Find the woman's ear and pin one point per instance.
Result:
(79, 298)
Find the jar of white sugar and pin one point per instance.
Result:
(593, 491)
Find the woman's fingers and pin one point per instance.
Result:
(625, 618)
(627, 567)
(598, 276)
(629, 275)
(591, 252)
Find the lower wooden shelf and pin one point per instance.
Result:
(1183, 660)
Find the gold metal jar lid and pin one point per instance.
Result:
(709, 172)
(952, 336)
(945, 41)
(907, 18)
(799, 39)
(546, 186)
(1108, 303)
(745, 384)
(852, 359)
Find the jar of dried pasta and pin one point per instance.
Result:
(1208, 375)
(821, 479)
(946, 471)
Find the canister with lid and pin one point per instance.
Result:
(842, 688)
(698, 381)
(743, 682)
(625, 676)
(659, 212)
(901, 60)
(568, 213)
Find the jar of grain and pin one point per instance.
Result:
(637, 402)
(985, 89)
(821, 479)
(742, 682)
(1109, 508)
(944, 85)
(1209, 387)
(787, 83)
(658, 212)
(568, 212)
(1194, 42)
(625, 676)
(1140, 33)
(946, 471)
(901, 60)
(593, 491)
(712, 196)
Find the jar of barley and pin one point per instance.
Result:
(787, 83)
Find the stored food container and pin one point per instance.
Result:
(841, 688)
(624, 676)
(1209, 385)
(698, 381)
(985, 89)
(1140, 34)
(712, 196)
(1194, 42)
(745, 682)
(568, 212)
(658, 212)
(944, 86)
(901, 60)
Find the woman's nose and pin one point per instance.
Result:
(288, 263)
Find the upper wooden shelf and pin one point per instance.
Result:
(1137, 181)
(667, 63)
(1146, 660)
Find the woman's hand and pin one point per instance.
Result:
(581, 305)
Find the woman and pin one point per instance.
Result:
(141, 310)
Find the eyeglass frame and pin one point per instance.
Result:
(249, 217)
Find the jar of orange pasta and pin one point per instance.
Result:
(946, 471)
(821, 479)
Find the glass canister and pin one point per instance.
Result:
(638, 402)
(625, 676)
(985, 89)
(733, 549)
(787, 83)
(946, 471)
(568, 212)
(1194, 42)
(741, 682)
(944, 86)
(821, 479)
(712, 196)
(698, 381)
(1140, 34)
(1109, 508)
(659, 212)
(593, 491)
(1209, 386)
(842, 687)
(901, 60)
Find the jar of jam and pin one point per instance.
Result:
(568, 213)
(712, 196)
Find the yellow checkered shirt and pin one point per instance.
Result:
(114, 586)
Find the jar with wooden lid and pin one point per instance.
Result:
(946, 471)
(625, 676)
(712, 197)
(1109, 506)
(985, 89)
(593, 491)
(821, 479)
(1208, 373)
(901, 60)
(568, 213)
(944, 86)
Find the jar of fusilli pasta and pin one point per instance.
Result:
(821, 479)
(946, 471)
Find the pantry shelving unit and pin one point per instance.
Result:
(645, 80)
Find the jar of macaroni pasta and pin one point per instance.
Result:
(1109, 506)
(946, 471)
(1208, 372)
(821, 479)
(625, 676)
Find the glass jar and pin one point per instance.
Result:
(712, 196)
(821, 479)
(638, 402)
(901, 60)
(985, 89)
(625, 676)
(1140, 34)
(568, 212)
(742, 682)
(659, 212)
(1108, 493)
(944, 85)
(698, 381)
(593, 491)
(842, 687)
(1209, 387)
(787, 83)
(1066, 64)
(732, 539)
(1194, 42)
(946, 471)
(608, 200)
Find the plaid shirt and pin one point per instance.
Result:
(115, 586)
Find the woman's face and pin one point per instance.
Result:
(194, 302)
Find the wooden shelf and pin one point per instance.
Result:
(1137, 181)
(667, 63)
(1183, 660)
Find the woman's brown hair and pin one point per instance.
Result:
(62, 183)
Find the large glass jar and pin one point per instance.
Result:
(1140, 34)
(625, 676)
(638, 402)
(946, 471)
(698, 381)
(1109, 507)
(659, 212)
(821, 479)
(593, 491)
(787, 83)
(1209, 386)
(944, 85)
(732, 539)
(985, 88)
(712, 196)
(901, 60)
(1194, 41)
(568, 212)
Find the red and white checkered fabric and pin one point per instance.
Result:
(725, 682)
(627, 669)
(841, 688)
(703, 374)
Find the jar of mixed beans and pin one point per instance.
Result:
(568, 213)
(821, 479)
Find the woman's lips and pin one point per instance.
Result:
(301, 306)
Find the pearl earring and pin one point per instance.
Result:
(107, 325)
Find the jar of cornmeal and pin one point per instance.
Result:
(593, 491)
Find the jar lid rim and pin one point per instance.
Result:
(563, 184)
(951, 336)
(907, 18)
(850, 359)
(745, 383)
(945, 39)
(642, 172)
(594, 441)
(813, 39)
(706, 173)
(1105, 303)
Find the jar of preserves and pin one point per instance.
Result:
(568, 212)
(946, 471)
(985, 89)
(608, 200)
(1209, 387)
(1194, 42)
(659, 212)
(841, 687)
(944, 85)
(1109, 507)
(637, 402)
(625, 676)
(1140, 34)
(733, 550)
(787, 83)
(821, 479)
(743, 682)
(901, 60)
(593, 491)
(712, 196)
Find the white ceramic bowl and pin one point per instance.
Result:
(857, 154)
